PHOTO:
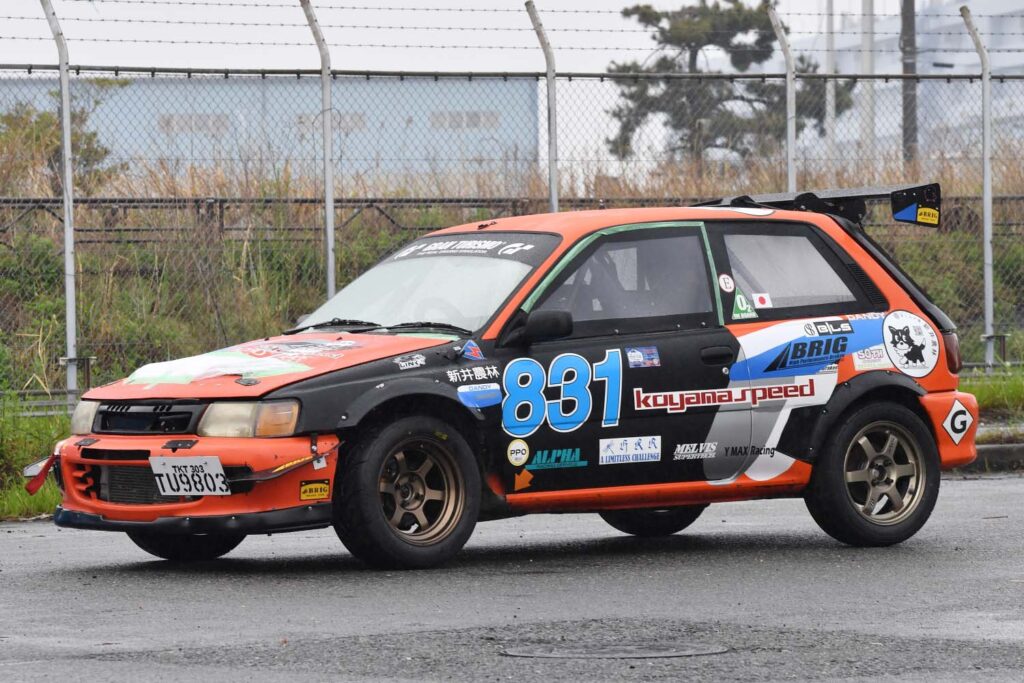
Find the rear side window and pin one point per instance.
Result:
(789, 269)
(780, 269)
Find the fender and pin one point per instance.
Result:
(365, 402)
(808, 427)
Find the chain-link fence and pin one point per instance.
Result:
(199, 214)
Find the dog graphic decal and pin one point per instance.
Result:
(909, 352)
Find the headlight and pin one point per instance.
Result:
(236, 418)
(82, 418)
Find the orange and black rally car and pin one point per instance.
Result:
(637, 363)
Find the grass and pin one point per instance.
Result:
(1000, 396)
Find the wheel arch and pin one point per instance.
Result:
(808, 428)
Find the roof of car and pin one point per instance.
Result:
(575, 224)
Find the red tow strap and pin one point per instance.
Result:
(36, 482)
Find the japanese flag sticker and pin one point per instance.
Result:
(761, 300)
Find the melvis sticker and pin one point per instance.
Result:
(630, 450)
(695, 451)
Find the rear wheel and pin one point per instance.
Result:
(409, 494)
(650, 522)
(186, 548)
(877, 480)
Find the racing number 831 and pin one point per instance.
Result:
(525, 408)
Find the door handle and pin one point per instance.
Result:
(717, 355)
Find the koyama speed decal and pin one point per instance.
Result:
(524, 408)
(911, 343)
(680, 401)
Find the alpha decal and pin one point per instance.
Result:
(680, 401)
(524, 408)
(556, 458)
(630, 449)
(911, 343)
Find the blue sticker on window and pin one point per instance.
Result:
(643, 357)
(480, 395)
(471, 351)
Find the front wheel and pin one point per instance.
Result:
(186, 547)
(651, 522)
(877, 479)
(408, 494)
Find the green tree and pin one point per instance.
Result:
(30, 145)
(746, 117)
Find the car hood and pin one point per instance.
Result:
(258, 367)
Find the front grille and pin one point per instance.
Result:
(132, 485)
(113, 454)
(148, 418)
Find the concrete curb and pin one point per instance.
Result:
(1007, 457)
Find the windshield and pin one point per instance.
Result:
(457, 280)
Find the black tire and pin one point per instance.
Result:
(863, 494)
(651, 522)
(396, 512)
(186, 548)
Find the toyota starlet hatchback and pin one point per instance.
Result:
(638, 363)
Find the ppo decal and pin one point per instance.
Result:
(911, 343)
(518, 452)
(525, 409)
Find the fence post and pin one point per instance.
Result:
(326, 116)
(70, 299)
(780, 35)
(986, 182)
(549, 63)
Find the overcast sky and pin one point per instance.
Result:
(346, 24)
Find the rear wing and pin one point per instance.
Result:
(917, 204)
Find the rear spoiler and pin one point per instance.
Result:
(917, 204)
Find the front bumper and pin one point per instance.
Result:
(274, 521)
(107, 480)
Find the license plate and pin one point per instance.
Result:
(192, 476)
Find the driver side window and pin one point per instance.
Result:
(636, 283)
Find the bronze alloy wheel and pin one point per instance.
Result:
(422, 491)
(884, 473)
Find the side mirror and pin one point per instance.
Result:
(546, 325)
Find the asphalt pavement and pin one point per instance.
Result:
(757, 583)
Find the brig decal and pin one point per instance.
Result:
(319, 489)
(680, 401)
(525, 409)
(795, 348)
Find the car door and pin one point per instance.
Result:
(641, 392)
